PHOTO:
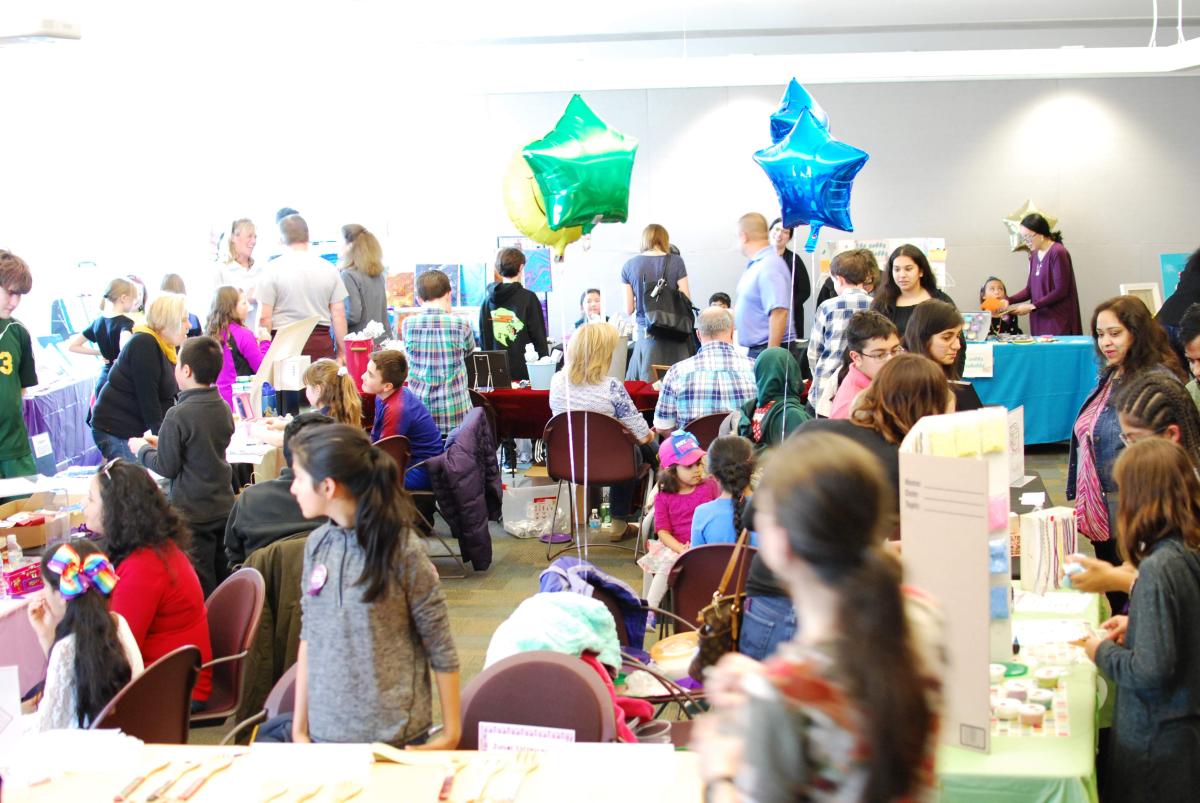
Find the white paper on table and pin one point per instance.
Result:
(302, 764)
(1059, 602)
(10, 709)
(1032, 632)
(39, 756)
(16, 486)
(504, 736)
(980, 361)
(1033, 498)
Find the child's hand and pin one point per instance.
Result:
(41, 619)
(136, 444)
(1116, 628)
(152, 440)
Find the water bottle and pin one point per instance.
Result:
(269, 407)
(594, 520)
(605, 511)
(4, 570)
(15, 553)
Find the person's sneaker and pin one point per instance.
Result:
(619, 530)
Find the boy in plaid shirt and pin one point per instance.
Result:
(438, 344)
(827, 342)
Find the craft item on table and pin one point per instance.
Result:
(998, 606)
(1048, 538)
(1056, 721)
(993, 432)
(1017, 690)
(1032, 714)
(1048, 676)
(998, 561)
(976, 326)
(966, 439)
(1008, 709)
(1069, 569)
(997, 513)
(1014, 535)
(1042, 697)
(996, 673)
(1059, 602)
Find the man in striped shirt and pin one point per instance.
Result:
(717, 380)
(437, 344)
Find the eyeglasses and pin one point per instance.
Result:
(883, 355)
(1130, 438)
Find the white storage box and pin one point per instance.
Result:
(289, 373)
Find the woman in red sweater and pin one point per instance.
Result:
(159, 594)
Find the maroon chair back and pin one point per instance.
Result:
(589, 446)
(156, 705)
(706, 428)
(399, 447)
(234, 610)
(544, 689)
(697, 574)
(282, 699)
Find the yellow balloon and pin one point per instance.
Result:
(526, 209)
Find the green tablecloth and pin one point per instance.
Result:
(1022, 769)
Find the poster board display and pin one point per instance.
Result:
(934, 249)
(288, 342)
(954, 506)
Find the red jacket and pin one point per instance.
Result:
(159, 595)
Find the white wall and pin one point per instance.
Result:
(129, 149)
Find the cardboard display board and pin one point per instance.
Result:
(289, 341)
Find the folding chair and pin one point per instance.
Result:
(400, 449)
(234, 609)
(156, 705)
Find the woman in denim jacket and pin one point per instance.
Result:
(1128, 342)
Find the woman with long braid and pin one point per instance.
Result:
(731, 463)
(1152, 405)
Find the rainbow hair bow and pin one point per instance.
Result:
(77, 575)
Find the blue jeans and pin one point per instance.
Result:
(767, 622)
(112, 446)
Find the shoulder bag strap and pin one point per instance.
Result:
(733, 560)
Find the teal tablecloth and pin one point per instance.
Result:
(1051, 380)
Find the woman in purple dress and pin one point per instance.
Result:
(1050, 298)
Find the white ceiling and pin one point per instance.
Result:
(569, 19)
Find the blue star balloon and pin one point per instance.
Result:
(793, 103)
(583, 169)
(813, 174)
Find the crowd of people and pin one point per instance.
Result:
(837, 683)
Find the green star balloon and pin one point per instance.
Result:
(582, 168)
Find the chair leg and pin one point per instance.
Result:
(460, 567)
(554, 519)
(583, 539)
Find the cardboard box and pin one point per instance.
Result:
(55, 528)
(289, 373)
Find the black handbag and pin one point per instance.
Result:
(669, 313)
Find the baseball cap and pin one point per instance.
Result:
(681, 449)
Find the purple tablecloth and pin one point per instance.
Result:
(19, 645)
(62, 412)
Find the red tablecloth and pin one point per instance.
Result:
(523, 413)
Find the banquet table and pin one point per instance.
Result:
(1051, 380)
(19, 645)
(523, 412)
(573, 772)
(61, 410)
(1044, 768)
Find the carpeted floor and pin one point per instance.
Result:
(480, 602)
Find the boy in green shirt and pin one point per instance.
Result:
(16, 369)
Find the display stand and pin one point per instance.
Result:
(289, 341)
(954, 528)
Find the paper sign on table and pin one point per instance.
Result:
(980, 362)
(1033, 498)
(41, 444)
(1016, 446)
(502, 736)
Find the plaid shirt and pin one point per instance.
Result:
(717, 380)
(827, 343)
(437, 344)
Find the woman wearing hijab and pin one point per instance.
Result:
(779, 406)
